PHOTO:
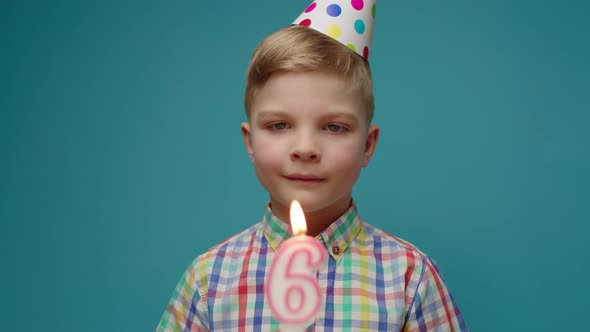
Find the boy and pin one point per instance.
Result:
(309, 104)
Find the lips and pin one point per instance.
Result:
(304, 178)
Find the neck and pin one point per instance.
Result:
(318, 221)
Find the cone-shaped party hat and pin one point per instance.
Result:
(348, 21)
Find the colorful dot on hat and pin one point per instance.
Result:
(334, 10)
(373, 9)
(351, 47)
(357, 4)
(359, 26)
(334, 31)
(306, 22)
(311, 7)
(366, 52)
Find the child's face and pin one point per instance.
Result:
(308, 139)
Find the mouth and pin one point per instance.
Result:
(304, 178)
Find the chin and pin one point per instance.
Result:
(314, 205)
(309, 204)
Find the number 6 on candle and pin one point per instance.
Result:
(291, 290)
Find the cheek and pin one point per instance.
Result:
(266, 153)
(347, 160)
(350, 153)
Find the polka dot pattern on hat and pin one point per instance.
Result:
(348, 21)
(357, 4)
(306, 22)
(334, 31)
(334, 10)
(359, 26)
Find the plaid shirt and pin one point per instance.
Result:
(373, 281)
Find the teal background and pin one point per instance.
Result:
(121, 155)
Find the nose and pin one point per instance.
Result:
(305, 148)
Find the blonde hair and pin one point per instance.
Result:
(299, 48)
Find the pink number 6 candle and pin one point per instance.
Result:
(291, 289)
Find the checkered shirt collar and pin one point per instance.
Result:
(337, 237)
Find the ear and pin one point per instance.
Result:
(247, 137)
(370, 144)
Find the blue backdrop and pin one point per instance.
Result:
(121, 154)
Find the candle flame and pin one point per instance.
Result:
(297, 218)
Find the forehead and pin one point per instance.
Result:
(309, 93)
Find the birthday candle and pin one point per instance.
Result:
(291, 289)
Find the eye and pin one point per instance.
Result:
(336, 128)
(278, 126)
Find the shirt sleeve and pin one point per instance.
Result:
(187, 309)
(433, 307)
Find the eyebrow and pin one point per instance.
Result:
(265, 113)
(346, 114)
(349, 115)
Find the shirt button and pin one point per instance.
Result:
(336, 250)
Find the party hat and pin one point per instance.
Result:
(348, 21)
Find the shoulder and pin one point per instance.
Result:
(223, 256)
(398, 253)
(233, 247)
(427, 296)
(391, 241)
(189, 301)
(418, 265)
